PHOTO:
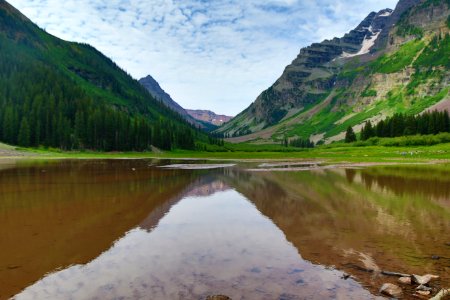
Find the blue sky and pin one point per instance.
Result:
(218, 55)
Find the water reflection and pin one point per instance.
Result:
(335, 218)
(188, 234)
(429, 182)
(57, 214)
(214, 244)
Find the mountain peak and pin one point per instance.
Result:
(317, 80)
(313, 72)
(150, 79)
(153, 87)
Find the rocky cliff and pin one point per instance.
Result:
(367, 74)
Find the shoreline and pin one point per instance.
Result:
(339, 155)
(264, 164)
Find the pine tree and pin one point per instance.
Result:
(367, 131)
(24, 134)
(350, 135)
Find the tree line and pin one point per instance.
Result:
(297, 143)
(40, 106)
(403, 125)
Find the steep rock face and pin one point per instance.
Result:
(153, 87)
(401, 7)
(310, 77)
(334, 83)
(208, 116)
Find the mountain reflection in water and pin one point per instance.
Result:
(112, 229)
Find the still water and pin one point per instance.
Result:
(128, 229)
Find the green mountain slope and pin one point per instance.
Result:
(69, 95)
(401, 64)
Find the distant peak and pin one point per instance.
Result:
(387, 12)
(149, 78)
(208, 116)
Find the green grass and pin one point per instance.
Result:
(335, 153)
(420, 104)
(320, 122)
(435, 54)
(400, 59)
(5, 147)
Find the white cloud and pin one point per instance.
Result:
(216, 55)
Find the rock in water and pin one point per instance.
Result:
(218, 297)
(391, 290)
(425, 279)
(441, 295)
(423, 288)
(424, 293)
(405, 280)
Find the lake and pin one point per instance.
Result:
(129, 229)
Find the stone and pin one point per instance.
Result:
(405, 280)
(435, 257)
(423, 288)
(218, 297)
(424, 293)
(441, 295)
(425, 279)
(391, 290)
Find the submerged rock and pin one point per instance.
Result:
(423, 288)
(405, 280)
(218, 297)
(425, 279)
(441, 295)
(391, 290)
(424, 293)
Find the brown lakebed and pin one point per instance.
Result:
(130, 229)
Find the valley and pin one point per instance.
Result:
(334, 183)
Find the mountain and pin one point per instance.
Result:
(205, 119)
(208, 117)
(158, 93)
(69, 95)
(393, 61)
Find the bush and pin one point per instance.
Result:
(417, 140)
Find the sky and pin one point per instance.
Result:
(217, 55)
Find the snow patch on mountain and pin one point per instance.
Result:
(386, 14)
(367, 43)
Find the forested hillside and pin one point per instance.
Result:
(69, 95)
